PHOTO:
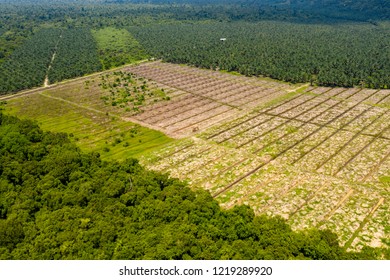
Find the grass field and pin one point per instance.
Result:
(317, 156)
(117, 47)
(91, 128)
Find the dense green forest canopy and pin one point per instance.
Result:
(57, 202)
(27, 65)
(298, 10)
(337, 9)
(334, 43)
(322, 54)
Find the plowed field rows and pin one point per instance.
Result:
(220, 96)
(319, 158)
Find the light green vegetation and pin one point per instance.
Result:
(385, 179)
(92, 130)
(128, 91)
(117, 47)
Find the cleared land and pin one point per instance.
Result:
(79, 109)
(202, 98)
(320, 157)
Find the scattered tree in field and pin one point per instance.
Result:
(125, 90)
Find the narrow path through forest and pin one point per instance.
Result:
(46, 81)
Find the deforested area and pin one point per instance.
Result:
(194, 129)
